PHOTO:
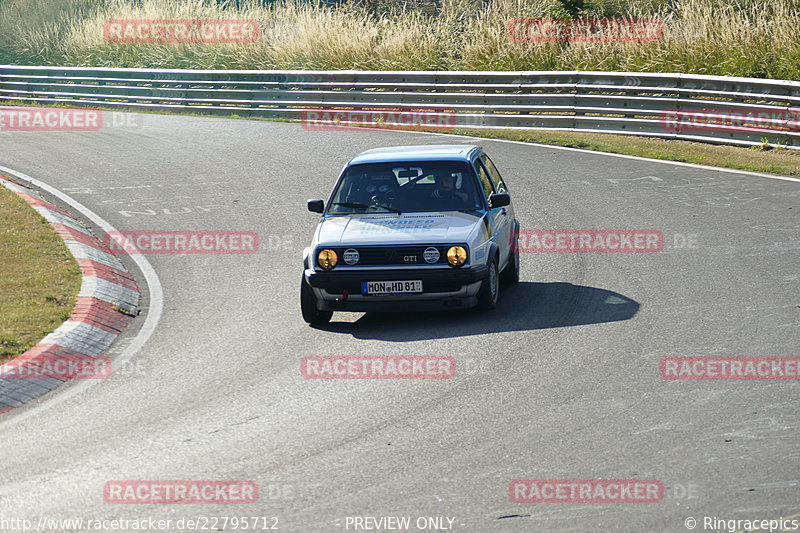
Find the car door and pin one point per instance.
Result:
(500, 220)
(500, 186)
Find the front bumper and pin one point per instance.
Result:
(442, 289)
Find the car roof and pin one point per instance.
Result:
(433, 152)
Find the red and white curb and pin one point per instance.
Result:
(107, 302)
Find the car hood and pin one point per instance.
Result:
(389, 228)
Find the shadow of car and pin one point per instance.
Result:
(525, 306)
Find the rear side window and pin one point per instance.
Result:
(494, 174)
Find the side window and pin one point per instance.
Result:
(484, 177)
(494, 174)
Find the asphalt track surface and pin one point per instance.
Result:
(561, 381)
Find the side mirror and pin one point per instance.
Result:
(316, 206)
(499, 199)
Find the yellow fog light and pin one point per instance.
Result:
(327, 259)
(456, 256)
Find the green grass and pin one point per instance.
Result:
(752, 38)
(757, 159)
(39, 278)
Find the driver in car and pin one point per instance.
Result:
(446, 187)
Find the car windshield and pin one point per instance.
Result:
(406, 187)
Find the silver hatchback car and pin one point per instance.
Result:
(410, 228)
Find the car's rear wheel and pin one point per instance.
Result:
(308, 305)
(490, 287)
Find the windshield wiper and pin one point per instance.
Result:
(358, 205)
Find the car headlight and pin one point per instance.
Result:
(327, 258)
(456, 256)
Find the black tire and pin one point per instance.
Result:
(308, 305)
(510, 274)
(490, 288)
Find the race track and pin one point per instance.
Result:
(561, 381)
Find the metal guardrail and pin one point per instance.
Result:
(678, 106)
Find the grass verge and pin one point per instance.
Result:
(750, 38)
(757, 159)
(39, 278)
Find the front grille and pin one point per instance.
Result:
(392, 255)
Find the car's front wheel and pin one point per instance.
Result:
(510, 274)
(308, 305)
(490, 287)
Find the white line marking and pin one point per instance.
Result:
(617, 180)
(153, 313)
(624, 156)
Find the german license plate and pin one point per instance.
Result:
(391, 287)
